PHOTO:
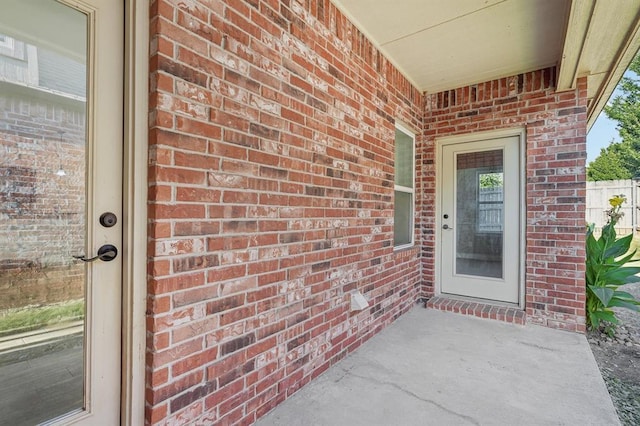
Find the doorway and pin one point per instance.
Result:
(480, 219)
(61, 66)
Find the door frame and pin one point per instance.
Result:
(134, 238)
(520, 132)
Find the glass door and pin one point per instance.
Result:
(480, 223)
(60, 306)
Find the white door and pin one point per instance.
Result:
(61, 98)
(480, 219)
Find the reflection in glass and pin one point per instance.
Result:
(404, 163)
(403, 209)
(490, 202)
(403, 194)
(480, 213)
(42, 211)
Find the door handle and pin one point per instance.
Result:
(106, 253)
(445, 226)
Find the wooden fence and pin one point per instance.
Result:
(598, 195)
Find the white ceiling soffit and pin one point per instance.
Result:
(602, 39)
(445, 44)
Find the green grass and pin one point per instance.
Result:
(33, 318)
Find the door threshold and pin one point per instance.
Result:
(477, 308)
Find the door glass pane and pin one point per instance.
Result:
(479, 213)
(42, 210)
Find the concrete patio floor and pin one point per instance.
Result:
(439, 368)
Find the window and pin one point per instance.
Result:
(11, 47)
(404, 188)
(6, 42)
(490, 201)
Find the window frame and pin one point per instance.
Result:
(408, 190)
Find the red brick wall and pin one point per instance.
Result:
(555, 182)
(271, 190)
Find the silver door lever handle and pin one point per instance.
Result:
(106, 253)
(445, 226)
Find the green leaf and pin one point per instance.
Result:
(607, 315)
(594, 320)
(604, 294)
(608, 234)
(624, 304)
(605, 266)
(594, 250)
(624, 295)
(632, 279)
(591, 276)
(618, 275)
(619, 247)
(601, 242)
(628, 258)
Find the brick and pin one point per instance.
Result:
(189, 397)
(236, 344)
(236, 315)
(555, 158)
(171, 174)
(198, 128)
(271, 197)
(225, 304)
(194, 362)
(184, 229)
(176, 387)
(186, 264)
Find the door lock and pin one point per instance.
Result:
(108, 219)
(106, 253)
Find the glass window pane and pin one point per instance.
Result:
(403, 218)
(479, 213)
(42, 211)
(490, 202)
(404, 159)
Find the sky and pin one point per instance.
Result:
(600, 135)
(604, 130)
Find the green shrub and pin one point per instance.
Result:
(606, 270)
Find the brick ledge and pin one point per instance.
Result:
(478, 309)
